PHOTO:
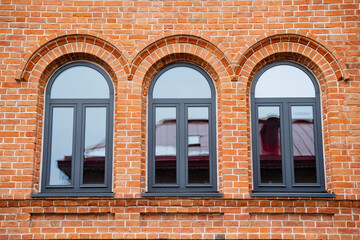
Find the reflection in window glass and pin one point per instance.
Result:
(181, 82)
(80, 82)
(303, 144)
(270, 144)
(198, 154)
(61, 146)
(284, 81)
(193, 140)
(94, 152)
(165, 150)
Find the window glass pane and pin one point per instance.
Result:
(198, 145)
(165, 140)
(95, 145)
(61, 145)
(284, 81)
(303, 144)
(181, 82)
(80, 82)
(270, 144)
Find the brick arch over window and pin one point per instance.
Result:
(178, 57)
(147, 78)
(56, 45)
(330, 65)
(186, 44)
(324, 88)
(59, 56)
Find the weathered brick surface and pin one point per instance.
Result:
(132, 40)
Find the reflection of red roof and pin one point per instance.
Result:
(166, 136)
(166, 144)
(303, 143)
(170, 161)
(90, 163)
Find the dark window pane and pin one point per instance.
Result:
(198, 145)
(94, 151)
(303, 144)
(61, 145)
(80, 82)
(284, 81)
(270, 144)
(181, 82)
(165, 150)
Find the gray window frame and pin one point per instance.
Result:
(182, 188)
(79, 105)
(288, 188)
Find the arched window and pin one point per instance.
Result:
(286, 132)
(77, 158)
(182, 135)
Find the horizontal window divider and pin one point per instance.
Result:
(80, 100)
(59, 186)
(93, 186)
(187, 194)
(297, 185)
(165, 185)
(287, 100)
(293, 194)
(272, 185)
(72, 194)
(181, 100)
(199, 185)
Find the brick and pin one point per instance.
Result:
(132, 41)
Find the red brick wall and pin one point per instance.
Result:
(132, 40)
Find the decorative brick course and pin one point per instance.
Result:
(132, 41)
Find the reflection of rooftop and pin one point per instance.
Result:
(166, 137)
(170, 161)
(303, 143)
(94, 159)
(198, 154)
(90, 164)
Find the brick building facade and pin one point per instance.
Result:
(230, 44)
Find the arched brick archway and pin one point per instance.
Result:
(322, 62)
(62, 43)
(326, 59)
(45, 60)
(186, 44)
(174, 49)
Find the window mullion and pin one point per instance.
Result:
(78, 145)
(287, 145)
(181, 161)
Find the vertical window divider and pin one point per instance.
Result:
(78, 145)
(179, 151)
(288, 138)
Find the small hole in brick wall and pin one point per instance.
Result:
(219, 236)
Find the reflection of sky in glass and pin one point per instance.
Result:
(302, 112)
(284, 81)
(95, 130)
(80, 82)
(61, 143)
(181, 82)
(198, 113)
(266, 112)
(165, 113)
